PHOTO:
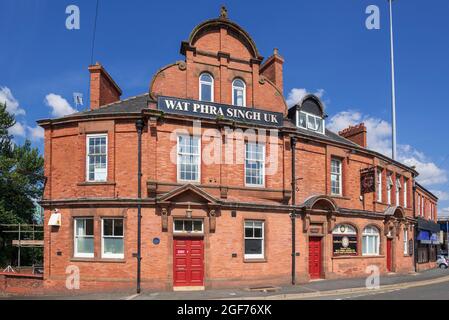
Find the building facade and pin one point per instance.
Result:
(237, 189)
(428, 230)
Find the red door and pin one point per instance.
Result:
(188, 264)
(389, 255)
(315, 257)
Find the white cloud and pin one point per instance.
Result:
(17, 130)
(296, 94)
(443, 212)
(12, 105)
(379, 139)
(60, 107)
(442, 195)
(35, 133)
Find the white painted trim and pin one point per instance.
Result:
(112, 255)
(75, 244)
(212, 84)
(178, 168)
(244, 91)
(88, 136)
(254, 256)
(262, 185)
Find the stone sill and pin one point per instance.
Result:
(255, 261)
(98, 260)
(333, 196)
(358, 257)
(99, 183)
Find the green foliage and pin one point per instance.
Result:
(21, 179)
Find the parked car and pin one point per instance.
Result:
(442, 262)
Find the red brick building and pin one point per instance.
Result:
(219, 204)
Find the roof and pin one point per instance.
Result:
(127, 106)
(426, 191)
(136, 104)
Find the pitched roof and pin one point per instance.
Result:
(129, 105)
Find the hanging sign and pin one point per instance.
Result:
(368, 180)
(213, 110)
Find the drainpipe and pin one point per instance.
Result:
(293, 214)
(139, 126)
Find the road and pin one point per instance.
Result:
(437, 291)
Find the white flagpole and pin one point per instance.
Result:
(393, 90)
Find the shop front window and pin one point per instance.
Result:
(344, 238)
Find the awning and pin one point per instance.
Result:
(423, 235)
(428, 225)
(434, 238)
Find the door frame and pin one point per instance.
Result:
(321, 273)
(389, 255)
(188, 237)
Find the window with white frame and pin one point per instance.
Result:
(310, 122)
(84, 238)
(389, 187)
(431, 211)
(112, 239)
(379, 185)
(405, 241)
(97, 157)
(254, 164)
(398, 189)
(189, 158)
(188, 226)
(239, 93)
(370, 241)
(206, 87)
(419, 204)
(336, 177)
(254, 239)
(405, 193)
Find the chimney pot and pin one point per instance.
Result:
(356, 134)
(103, 89)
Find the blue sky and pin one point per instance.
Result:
(325, 43)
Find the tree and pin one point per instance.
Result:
(21, 178)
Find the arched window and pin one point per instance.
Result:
(206, 87)
(344, 240)
(370, 241)
(239, 93)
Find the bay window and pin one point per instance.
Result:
(254, 239)
(188, 166)
(84, 238)
(112, 238)
(370, 241)
(96, 162)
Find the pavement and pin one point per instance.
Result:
(321, 289)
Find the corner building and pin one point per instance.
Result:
(208, 222)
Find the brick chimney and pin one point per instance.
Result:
(272, 70)
(356, 134)
(103, 89)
